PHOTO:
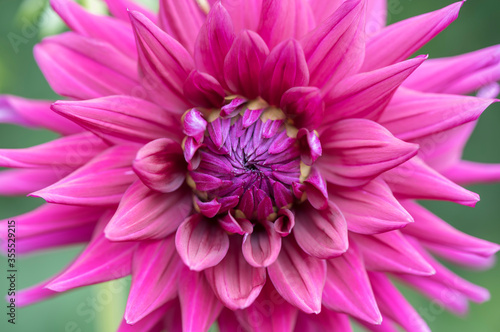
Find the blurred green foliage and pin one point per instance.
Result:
(477, 27)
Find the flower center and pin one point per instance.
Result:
(244, 157)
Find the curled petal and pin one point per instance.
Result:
(262, 246)
(298, 277)
(322, 234)
(160, 165)
(310, 146)
(304, 105)
(235, 282)
(201, 243)
(203, 90)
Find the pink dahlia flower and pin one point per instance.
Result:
(254, 163)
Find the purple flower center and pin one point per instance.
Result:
(245, 161)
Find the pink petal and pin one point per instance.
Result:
(310, 146)
(235, 225)
(214, 41)
(151, 323)
(195, 124)
(34, 114)
(423, 184)
(236, 283)
(406, 37)
(60, 223)
(443, 234)
(160, 165)
(356, 151)
(347, 287)
(366, 95)
(335, 49)
(323, 8)
(244, 62)
(201, 243)
(244, 13)
(326, 320)
(120, 119)
(393, 305)
(298, 277)
(412, 114)
(102, 260)
(261, 247)
(391, 252)
(150, 289)
(370, 209)
(208, 209)
(283, 19)
(111, 170)
(164, 63)
(182, 20)
(304, 105)
(203, 90)
(18, 182)
(285, 222)
(227, 321)
(468, 172)
(376, 16)
(146, 214)
(101, 69)
(34, 294)
(62, 155)
(107, 29)
(322, 234)
(120, 9)
(199, 305)
(284, 68)
(270, 312)
(460, 74)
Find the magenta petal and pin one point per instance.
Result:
(316, 191)
(358, 150)
(147, 214)
(398, 41)
(393, 305)
(108, 29)
(411, 115)
(391, 252)
(376, 16)
(24, 181)
(298, 277)
(467, 172)
(443, 235)
(208, 209)
(370, 209)
(235, 282)
(244, 13)
(214, 41)
(262, 246)
(283, 19)
(304, 105)
(191, 154)
(194, 124)
(335, 49)
(182, 20)
(149, 289)
(33, 294)
(243, 63)
(460, 74)
(101, 69)
(424, 182)
(366, 95)
(326, 320)
(323, 8)
(111, 169)
(348, 289)
(101, 261)
(51, 225)
(203, 90)
(63, 154)
(201, 243)
(269, 313)
(199, 304)
(151, 323)
(233, 225)
(160, 165)
(34, 114)
(285, 222)
(310, 146)
(121, 119)
(284, 68)
(322, 234)
(120, 8)
(164, 63)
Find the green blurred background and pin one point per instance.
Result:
(477, 27)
